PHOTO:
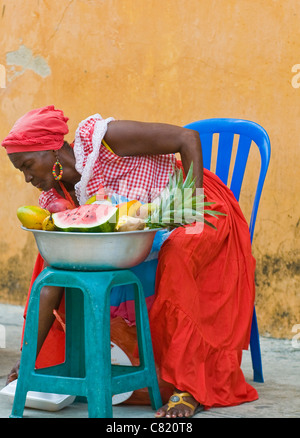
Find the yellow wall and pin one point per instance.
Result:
(171, 61)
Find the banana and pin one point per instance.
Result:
(48, 224)
(133, 207)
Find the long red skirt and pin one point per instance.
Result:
(201, 316)
(202, 312)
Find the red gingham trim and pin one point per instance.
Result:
(47, 197)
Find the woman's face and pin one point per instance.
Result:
(37, 167)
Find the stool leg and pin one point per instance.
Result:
(28, 356)
(145, 345)
(98, 377)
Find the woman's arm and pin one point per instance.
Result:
(128, 138)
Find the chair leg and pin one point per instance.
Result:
(255, 351)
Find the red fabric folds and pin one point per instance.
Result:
(201, 316)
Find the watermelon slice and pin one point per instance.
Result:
(94, 218)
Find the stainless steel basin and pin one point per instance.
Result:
(94, 251)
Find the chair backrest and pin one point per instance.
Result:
(249, 133)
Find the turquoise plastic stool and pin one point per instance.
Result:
(87, 370)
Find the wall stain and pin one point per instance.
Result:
(24, 58)
(15, 275)
(277, 282)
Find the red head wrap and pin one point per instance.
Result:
(41, 129)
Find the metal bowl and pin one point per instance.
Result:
(94, 251)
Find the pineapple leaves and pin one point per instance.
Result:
(180, 203)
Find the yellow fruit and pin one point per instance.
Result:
(125, 206)
(91, 200)
(133, 208)
(48, 224)
(31, 216)
(145, 210)
(129, 223)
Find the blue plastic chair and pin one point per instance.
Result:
(249, 133)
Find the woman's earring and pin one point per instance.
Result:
(55, 176)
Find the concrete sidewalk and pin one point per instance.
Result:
(279, 396)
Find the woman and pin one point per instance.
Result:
(201, 313)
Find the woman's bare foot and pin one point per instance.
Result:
(180, 404)
(13, 375)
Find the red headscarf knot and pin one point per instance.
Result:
(41, 129)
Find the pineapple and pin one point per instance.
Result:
(176, 205)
